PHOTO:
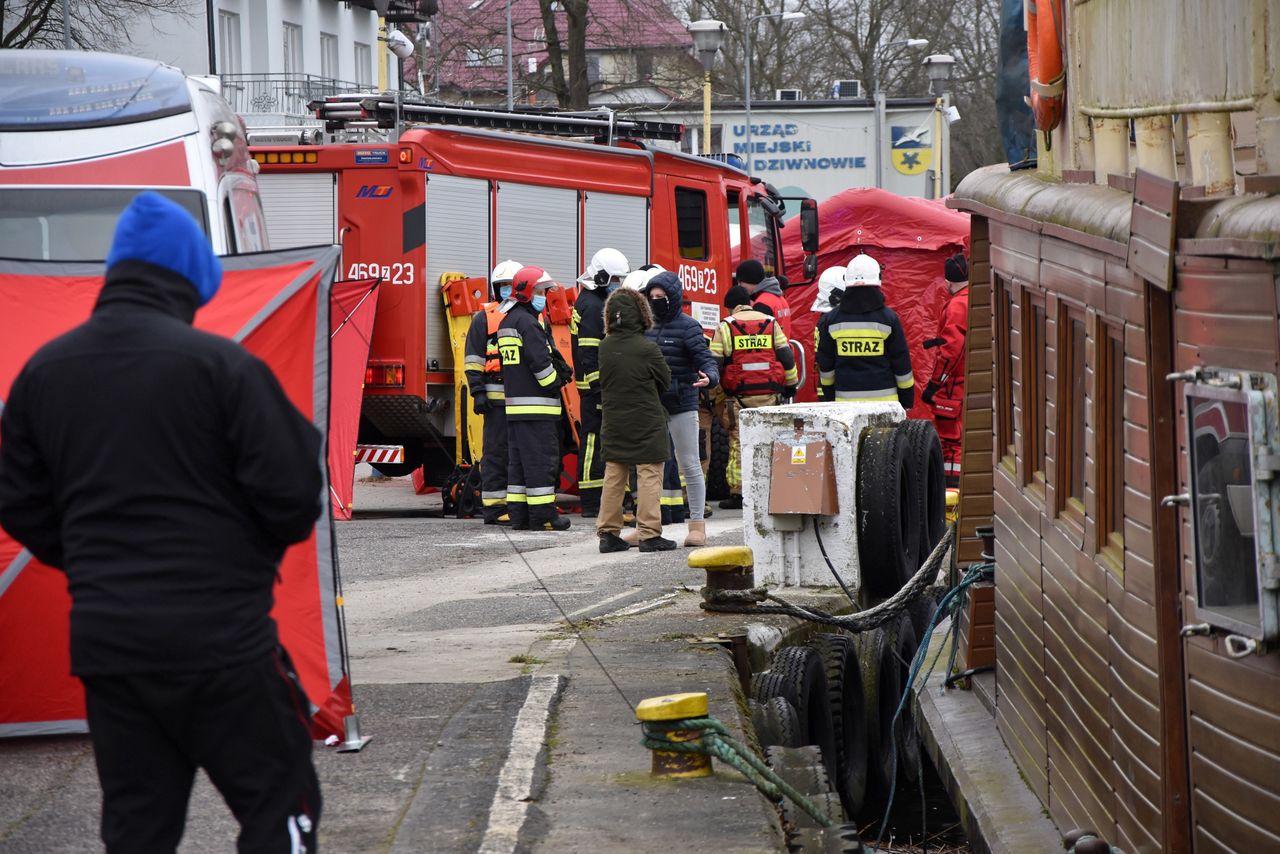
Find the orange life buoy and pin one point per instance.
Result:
(1044, 62)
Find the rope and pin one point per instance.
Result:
(748, 601)
(716, 741)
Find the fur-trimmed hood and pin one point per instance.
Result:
(627, 311)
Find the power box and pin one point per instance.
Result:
(802, 479)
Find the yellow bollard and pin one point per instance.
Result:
(728, 567)
(953, 505)
(677, 707)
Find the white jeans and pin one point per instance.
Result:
(684, 435)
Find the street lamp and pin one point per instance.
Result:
(511, 88)
(751, 27)
(938, 66)
(879, 97)
(708, 35)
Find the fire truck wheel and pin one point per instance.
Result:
(776, 723)
(803, 679)
(903, 643)
(848, 716)
(718, 463)
(931, 482)
(888, 511)
(880, 695)
(1221, 546)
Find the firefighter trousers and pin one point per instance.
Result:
(734, 405)
(949, 432)
(245, 725)
(493, 464)
(533, 471)
(590, 459)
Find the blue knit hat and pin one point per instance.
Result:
(160, 231)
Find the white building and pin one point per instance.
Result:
(273, 55)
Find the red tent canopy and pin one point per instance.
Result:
(910, 237)
(277, 305)
(354, 305)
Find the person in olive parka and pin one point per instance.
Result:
(633, 375)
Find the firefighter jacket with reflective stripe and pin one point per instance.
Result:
(769, 294)
(586, 328)
(948, 364)
(528, 373)
(862, 351)
(753, 354)
(481, 362)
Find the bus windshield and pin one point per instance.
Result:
(64, 90)
(73, 223)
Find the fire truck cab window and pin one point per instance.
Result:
(72, 223)
(762, 229)
(691, 223)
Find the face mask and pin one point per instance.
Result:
(504, 291)
(539, 302)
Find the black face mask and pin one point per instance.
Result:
(660, 306)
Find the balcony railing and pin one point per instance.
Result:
(281, 94)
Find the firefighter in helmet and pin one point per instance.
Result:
(862, 350)
(603, 275)
(532, 384)
(483, 368)
(945, 389)
(757, 368)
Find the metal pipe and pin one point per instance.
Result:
(66, 24)
(1234, 106)
(1110, 148)
(511, 91)
(213, 55)
(880, 117)
(1154, 135)
(746, 93)
(1209, 152)
(706, 111)
(1268, 136)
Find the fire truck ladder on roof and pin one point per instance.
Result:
(346, 112)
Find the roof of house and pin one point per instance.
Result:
(465, 27)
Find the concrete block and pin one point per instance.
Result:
(784, 556)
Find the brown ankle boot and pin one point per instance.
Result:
(697, 535)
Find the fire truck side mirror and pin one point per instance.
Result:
(810, 267)
(809, 230)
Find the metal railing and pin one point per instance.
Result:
(281, 94)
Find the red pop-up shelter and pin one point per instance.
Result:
(276, 304)
(910, 237)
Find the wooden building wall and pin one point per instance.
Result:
(977, 441)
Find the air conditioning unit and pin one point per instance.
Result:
(787, 95)
(846, 89)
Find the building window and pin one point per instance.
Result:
(1034, 366)
(364, 65)
(644, 66)
(1002, 382)
(691, 223)
(484, 57)
(292, 49)
(1108, 433)
(228, 43)
(329, 56)
(1071, 414)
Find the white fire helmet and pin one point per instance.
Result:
(504, 272)
(862, 270)
(606, 265)
(831, 280)
(637, 279)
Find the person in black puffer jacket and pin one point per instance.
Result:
(685, 348)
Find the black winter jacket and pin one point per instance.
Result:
(164, 471)
(529, 375)
(586, 330)
(683, 345)
(862, 351)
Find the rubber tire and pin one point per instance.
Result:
(921, 612)
(931, 479)
(880, 693)
(848, 716)
(1219, 532)
(888, 511)
(776, 723)
(801, 678)
(904, 645)
(842, 839)
(803, 768)
(718, 462)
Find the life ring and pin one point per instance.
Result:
(1044, 62)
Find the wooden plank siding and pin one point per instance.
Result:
(1226, 314)
(976, 487)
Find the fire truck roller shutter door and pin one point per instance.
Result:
(618, 221)
(301, 209)
(457, 220)
(539, 225)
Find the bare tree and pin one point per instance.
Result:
(94, 25)
(571, 94)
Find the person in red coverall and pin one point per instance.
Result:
(945, 390)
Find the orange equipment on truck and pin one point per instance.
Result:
(463, 189)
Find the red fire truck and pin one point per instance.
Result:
(463, 189)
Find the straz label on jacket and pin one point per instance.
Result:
(752, 342)
(510, 354)
(861, 346)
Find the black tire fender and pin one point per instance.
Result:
(848, 716)
(801, 678)
(904, 645)
(880, 694)
(931, 480)
(888, 511)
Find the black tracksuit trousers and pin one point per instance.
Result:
(246, 725)
(590, 458)
(493, 464)
(533, 471)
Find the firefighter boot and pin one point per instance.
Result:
(556, 523)
(697, 535)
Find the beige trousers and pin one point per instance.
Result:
(648, 506)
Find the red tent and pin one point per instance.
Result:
(354, 305)
(910, 237)
(277, 305)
